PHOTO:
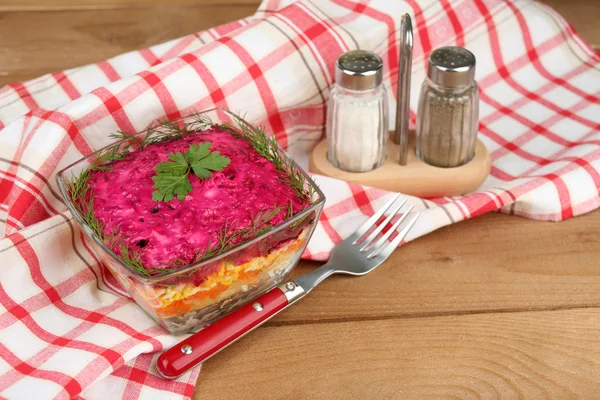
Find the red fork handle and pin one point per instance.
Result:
(200, 346)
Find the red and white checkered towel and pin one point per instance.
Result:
(63, 331)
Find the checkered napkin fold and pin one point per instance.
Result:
(64, 330)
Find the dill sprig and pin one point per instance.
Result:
(267, 147)
(167, 130)
(225, 240)
(290, 210)
(227, 235)
(133, 259)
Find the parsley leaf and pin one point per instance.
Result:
(172, 178)
(212, 162)
(178, 167)
(197, 152)
(167, 186)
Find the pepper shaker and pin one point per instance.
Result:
(357, 113)
(448, 113)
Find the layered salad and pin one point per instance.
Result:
(180, 207)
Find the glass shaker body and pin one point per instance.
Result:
(357, 128)
(447, 124)
(448, 113)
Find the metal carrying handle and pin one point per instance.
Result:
(404, 72)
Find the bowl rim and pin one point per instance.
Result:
(61, 179)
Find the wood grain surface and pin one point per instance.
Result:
(494, 263)
(533, 355)
(36, 43)
(92, 5)
(496, 307)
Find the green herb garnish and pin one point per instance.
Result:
(267, 147)
(172, 179)
(202, 160)
(199, 163)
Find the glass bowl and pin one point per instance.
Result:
(185, 299)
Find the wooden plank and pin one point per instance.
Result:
(59, 5)
(494, 263)
(529, 355)
(582, 14)
(36, 43)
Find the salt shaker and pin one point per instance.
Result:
(357, 113)
(448, 113)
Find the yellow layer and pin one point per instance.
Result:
(227, 274)
(170, 300)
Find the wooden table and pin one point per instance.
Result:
(498, 306)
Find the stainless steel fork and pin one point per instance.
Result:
(353, 256)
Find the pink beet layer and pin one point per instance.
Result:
(178, 230)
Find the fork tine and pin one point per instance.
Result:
(378, 230)
(380, 243)
(398, 239)
(371, 221)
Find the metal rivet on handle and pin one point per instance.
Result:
(290, 285)
(186, 349)
(257, 306)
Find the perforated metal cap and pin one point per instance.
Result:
(451, 66)
(359, 70)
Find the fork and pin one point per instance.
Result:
(353, 256)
